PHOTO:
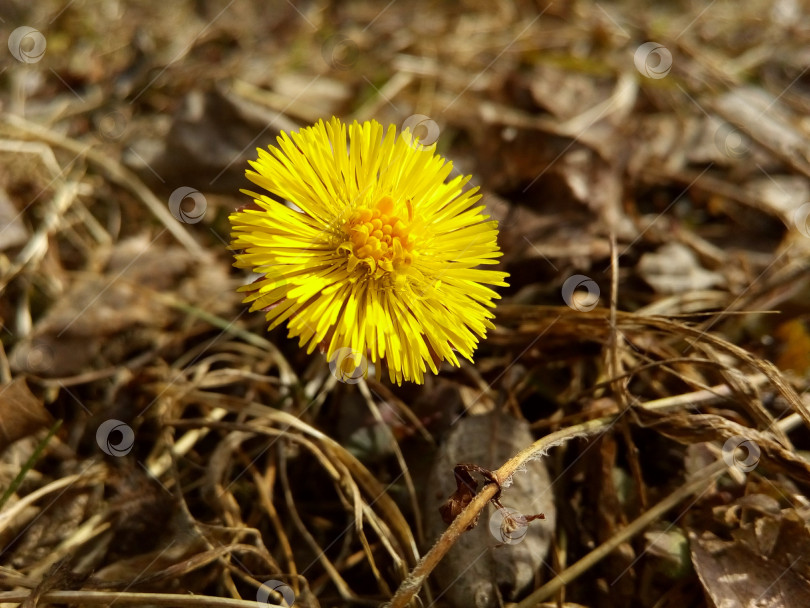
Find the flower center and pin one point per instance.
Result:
(378, 238)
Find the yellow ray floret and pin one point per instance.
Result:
(377, 253)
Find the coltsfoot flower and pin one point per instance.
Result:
(378, 251)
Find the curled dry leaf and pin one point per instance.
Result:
(458, 501)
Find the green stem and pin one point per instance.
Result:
(29, 463)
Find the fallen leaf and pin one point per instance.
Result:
(674, 268)
(766, 564)
(21, 413)
(458, 501)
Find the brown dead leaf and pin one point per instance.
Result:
(766, 564)
(674, 268)
(566, 94)
(458, 501)
(768, 121)
(21, 413)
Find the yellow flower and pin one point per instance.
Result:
(378, 253)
